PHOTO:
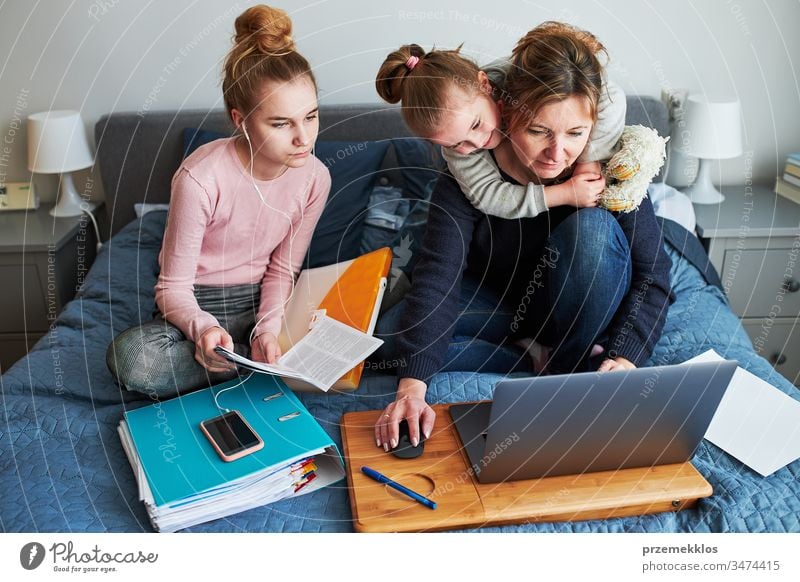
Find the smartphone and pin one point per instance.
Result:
(231, 436)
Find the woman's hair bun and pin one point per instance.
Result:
(266, 29)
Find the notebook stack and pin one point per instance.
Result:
(788, 186)
(184, 482)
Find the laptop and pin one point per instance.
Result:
(580, 423)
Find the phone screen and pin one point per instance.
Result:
(231, 433)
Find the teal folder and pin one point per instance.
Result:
(179, 462)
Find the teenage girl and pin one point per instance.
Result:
(242, 212)
(448, 100)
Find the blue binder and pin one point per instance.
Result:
(179, 461)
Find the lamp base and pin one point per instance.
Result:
(69, 201)
(702, 191)
(701, 195)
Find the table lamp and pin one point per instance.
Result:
(714, 133)
(57, 144)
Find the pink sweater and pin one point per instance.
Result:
(220, 233)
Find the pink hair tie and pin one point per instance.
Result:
(411, 63)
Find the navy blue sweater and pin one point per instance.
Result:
(501, 253)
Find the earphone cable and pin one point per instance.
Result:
(292, 234)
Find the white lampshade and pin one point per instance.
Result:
(57, 143)
(714, 130)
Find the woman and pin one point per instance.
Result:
(568, 278)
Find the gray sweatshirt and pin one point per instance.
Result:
(480, 179)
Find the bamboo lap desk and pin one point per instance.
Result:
(442, 473)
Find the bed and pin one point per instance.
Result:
(62, 468)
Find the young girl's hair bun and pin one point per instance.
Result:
(422, 81)
(266, 30)
(395, 70)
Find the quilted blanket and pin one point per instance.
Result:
(62, 468)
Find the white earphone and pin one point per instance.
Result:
(292, 234)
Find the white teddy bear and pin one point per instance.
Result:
(629, 172)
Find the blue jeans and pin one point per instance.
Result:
(157, 359)
(586, 269)
(571, 296)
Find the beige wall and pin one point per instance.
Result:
(105, 55)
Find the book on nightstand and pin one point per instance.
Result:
(789, 185)
(788, 190)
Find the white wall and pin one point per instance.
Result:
(109, 55)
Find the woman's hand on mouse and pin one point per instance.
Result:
(409, 404)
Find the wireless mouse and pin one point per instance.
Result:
(404, 450)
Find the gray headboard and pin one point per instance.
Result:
(139, 153)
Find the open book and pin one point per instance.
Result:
(320, 358)
(349, 294)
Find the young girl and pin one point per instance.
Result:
(449, 101)
(241, 216)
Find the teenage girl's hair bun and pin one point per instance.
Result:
(394, 71)
(263, 50)
(264, 29)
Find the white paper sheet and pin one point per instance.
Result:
(323, 356)
(755, 422)
(329, 351)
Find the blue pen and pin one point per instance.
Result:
(373, 474)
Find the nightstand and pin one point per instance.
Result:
(43, 261)
(753, 240)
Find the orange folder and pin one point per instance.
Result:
(349, 292)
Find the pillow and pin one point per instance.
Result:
(354, 167)
(421, 163)
(193, 138)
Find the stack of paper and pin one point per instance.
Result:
(183, 482)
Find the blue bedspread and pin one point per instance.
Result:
(62, 467)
